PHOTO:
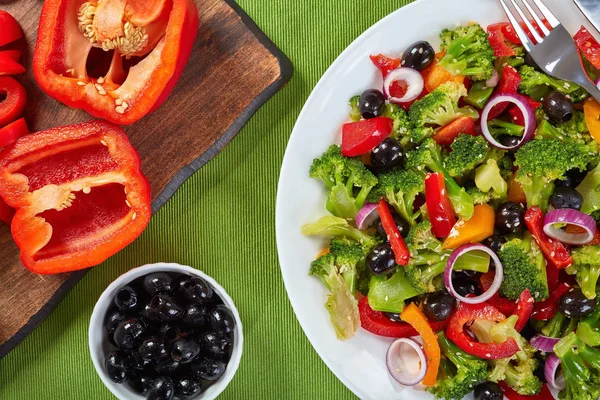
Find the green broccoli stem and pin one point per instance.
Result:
(460, 199)
(590, 355)
(341, 203)
(402, 208)
(432, 271)
(538, 192)
(499, 127)
(479, 94)
(588, 279)
(477, 261)
(554, 327)
(453, 352)
(588, 329)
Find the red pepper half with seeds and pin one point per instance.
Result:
(79, 195)
(117, 59)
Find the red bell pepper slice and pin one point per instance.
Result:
(509, 84)
(517, 116)
(401, 252)
(446, 135)
(588, 45)
(13, 105)
(524, 309)
(8, 66)
(465, 315)
(554, 251)
(439, 208)
(79, 195)
(363, 136)
(379, 324)
(113, 91)
(510, 394)
(11, 31)
(10, 54)
(385, 64)
(504, 305)
(406, 105)
(547, 309)
(511, 35)
(13, 131)
(497, 40)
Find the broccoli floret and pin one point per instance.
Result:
(533, 78)
(580, 368)
(586, 268)
(338, 227)
(402, 128)
(488, 179)
(467, 153)
(588, 329)
(468, 52)
(400, 188)
(558, 326)
(389, 295)
(524, 268)
(459, 372)
(589, 189)
(440, 107)
(428, 156)
(543, 161)
(355, 114)
(343, 177)
(480, 197)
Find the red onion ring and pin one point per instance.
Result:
(571, 217)
(413, 79)
(550, 370)
(528, 115)
(543, 343)
(495, 283)
(494, 80)
(366, 216)
(400, 360)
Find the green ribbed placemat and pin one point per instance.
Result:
(221, 221)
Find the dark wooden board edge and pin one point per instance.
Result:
(286, 74)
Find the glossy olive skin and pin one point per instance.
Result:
(401, 224)
(195, 315)
(195, 290)
(488, 391)
(138, 363)
(171, 333)
(213, 344)
(184, 351)
(464, 283)
(495, 242)
(387, 155)
(381, 259)
(419, 56)
(208, 369)
(141, 384)
(153, 348)
(126, 299)
(160, 388)
(566, 197)
(221, 320)
(163, 308)
(510, 218)
(574, 304)
(394, 317)
(509, 140)
(371, 103)
(118, 366)
(113, 319)
(187, 387)
(128, 332)
(573, 179)
(158, 282)
(438, 306)
(558, 107)
(168, 366)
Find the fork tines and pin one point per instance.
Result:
(531, 13)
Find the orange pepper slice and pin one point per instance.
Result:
(415, 317)
(515, 191)
(436, 75)
(474, 230)
(591, 109)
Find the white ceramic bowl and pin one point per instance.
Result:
(99, 345)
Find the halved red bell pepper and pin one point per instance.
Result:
(13, 131)
(465, 315)
(379, 324)
(509, 84)
(363, 136)
(401, 252)
(385, 64)
(439, 207)
(79, 195)
(554, 251)
(11, 54)
(588, 45)
(73, 68)
(446, 135)
(13, 105)
(6, 212)
(547, 309)
(8, 66)
(510, 394)
(498, 40)
(11, 31)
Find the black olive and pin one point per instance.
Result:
(195, 290)
(464, 283)
(158, 282)
(185, 351)
(539, 371)
(171, 333)
(494, 242)
(160, 388)
(394, 316)
(566, 197)
(208, 369)
(531, 62)
(558, 107)
(488, 391)
(438, 306)
(381, 259)
(510, 218)
(126, 299)
(128, 332)
(141, 383)
(401, 223)
(419, 56)
(168, 366)
(214, 345)
(573, 178)
(118, 366)
(387, 155)
(574, 304)
(163, 308)
(187, 387)
(195, 315)
(371, 103)
(528, 332)
(113, 319)
(509, 140)
(153, 348)
(221, 319)
(138, 363)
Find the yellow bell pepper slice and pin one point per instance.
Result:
(591, 109)
(474, 230)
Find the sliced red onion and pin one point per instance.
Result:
(570, 217)
(366, 216)
(544, 343)
(528, 115)
(550, 372)
(414, 82)
(494, 80)
(495, 284)
(406, 361)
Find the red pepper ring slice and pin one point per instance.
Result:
(465, 315)
(13, 105)
(79, 195)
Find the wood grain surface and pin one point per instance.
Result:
(233, 70)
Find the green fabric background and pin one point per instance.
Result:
(222, 221)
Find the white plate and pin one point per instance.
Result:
(359, 362)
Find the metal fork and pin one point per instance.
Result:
(555, 51)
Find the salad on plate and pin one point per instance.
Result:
(463, 205)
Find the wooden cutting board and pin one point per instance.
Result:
(233, 70)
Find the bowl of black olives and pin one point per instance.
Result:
(165, 331)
